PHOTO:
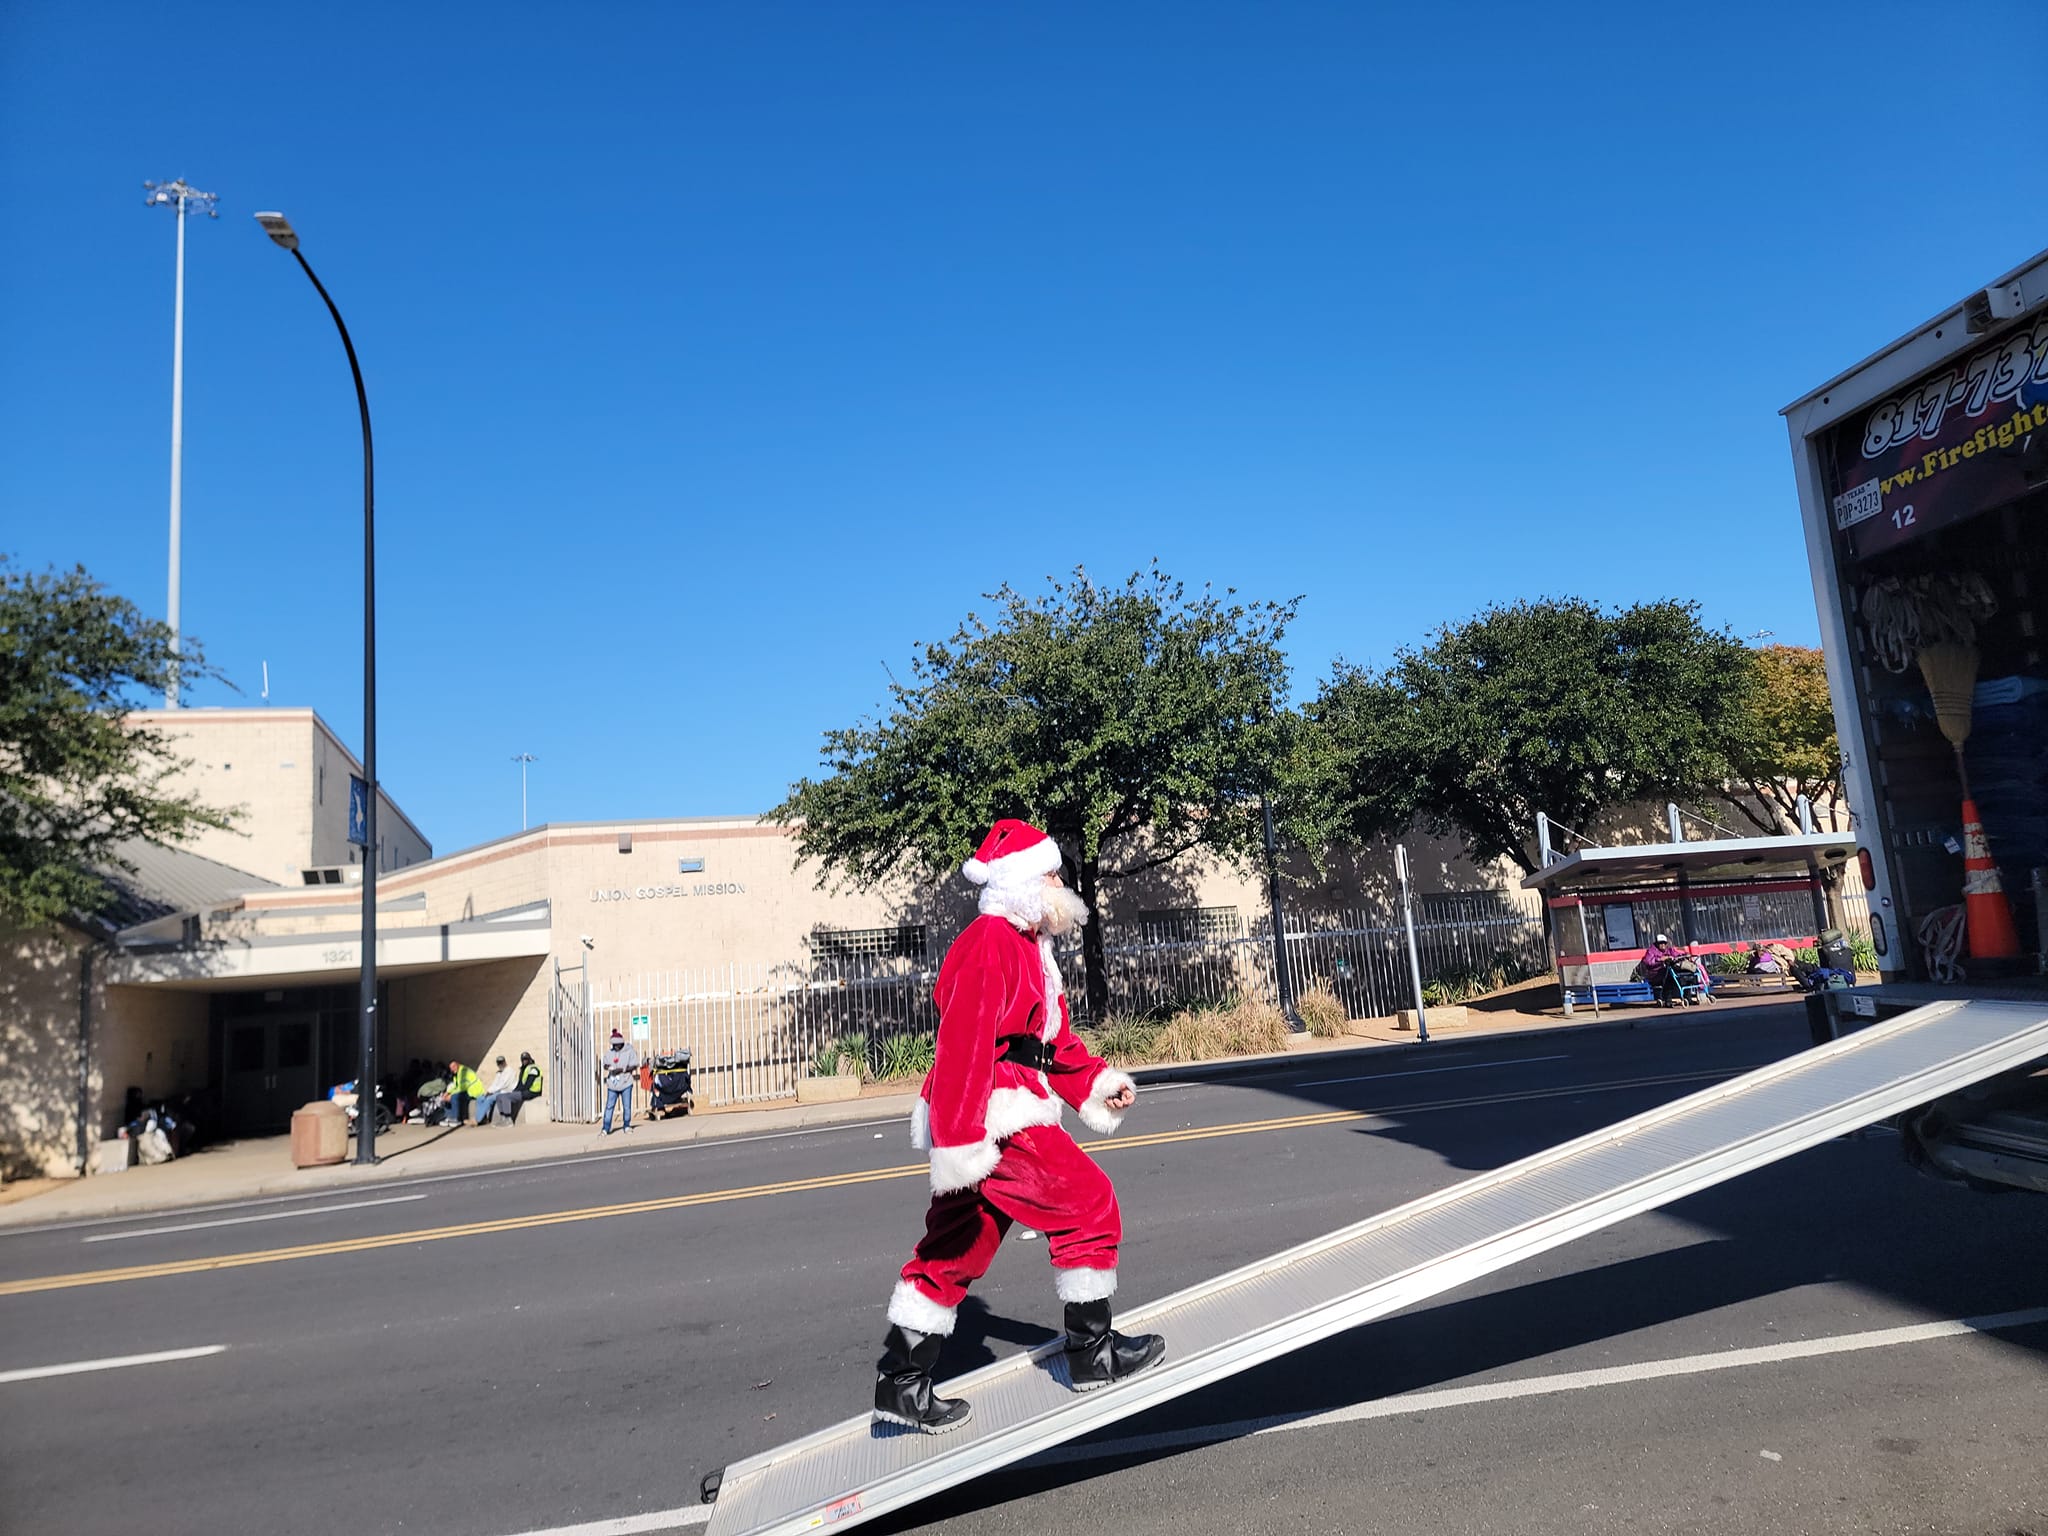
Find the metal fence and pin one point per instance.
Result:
(755, 1031)
(1360, 959)
(572, 1055)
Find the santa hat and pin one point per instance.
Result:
(1012, 850)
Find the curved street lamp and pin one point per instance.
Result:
(279, 228)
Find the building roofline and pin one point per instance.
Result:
(242, 712)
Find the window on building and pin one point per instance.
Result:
(908, 941)
(1187, 924)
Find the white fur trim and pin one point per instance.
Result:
(1011, 1110)
(911, 1308)
(1041, 858)
(1082, 1284)
(956, 1168)
(921, 1126)
(1054, 989)
(1095, 1111)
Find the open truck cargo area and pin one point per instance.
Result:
(1923, 490)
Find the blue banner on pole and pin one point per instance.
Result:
(358, 811)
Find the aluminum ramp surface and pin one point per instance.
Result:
(1022, 1405)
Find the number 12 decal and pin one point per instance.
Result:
(1903, 518)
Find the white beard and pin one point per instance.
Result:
(1032, 904)
(1064, 911)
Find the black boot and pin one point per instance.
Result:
(1098, 1355)
(903, 1384)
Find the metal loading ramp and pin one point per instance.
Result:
(1022, 1405)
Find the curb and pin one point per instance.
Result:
(22, 1217)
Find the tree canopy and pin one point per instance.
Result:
(1785, 746)
(1557, 706)
(1133, 722)
(78, 778)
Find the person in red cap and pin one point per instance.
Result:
(1008, 1062)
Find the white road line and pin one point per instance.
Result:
(1543, 1386)
(236, 1221)
(634, 1525)
(1376, 1077)
(1418, 1402)
(114, 1363)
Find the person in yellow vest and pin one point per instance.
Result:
(530, 1084)
(464, 1089)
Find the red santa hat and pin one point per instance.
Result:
(1012, 850)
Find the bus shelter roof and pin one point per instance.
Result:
(1722, 861)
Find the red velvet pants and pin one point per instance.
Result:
(1045, 1181)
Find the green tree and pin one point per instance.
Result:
(1556, 706)
(77, 777)
(1784, 746)
(1135, 723)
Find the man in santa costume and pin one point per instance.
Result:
(1008, 1060)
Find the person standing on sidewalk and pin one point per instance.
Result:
(989, 1114)
(619, 1066)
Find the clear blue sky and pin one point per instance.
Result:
(719, 353)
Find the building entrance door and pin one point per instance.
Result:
(270, 1071)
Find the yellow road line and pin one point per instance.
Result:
(762, 1191)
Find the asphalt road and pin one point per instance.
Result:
(525, 1350)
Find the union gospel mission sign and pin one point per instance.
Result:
(661, 892)
(1948, 446)
(657, 892)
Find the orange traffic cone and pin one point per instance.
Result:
(1992, 935)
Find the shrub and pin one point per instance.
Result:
(1124, 1040)
(905, 1056)
(1251, 1028)
(1734, 963)
(1196, 1035)
(1320, 1009)
(1862, 952)
(825, 1060)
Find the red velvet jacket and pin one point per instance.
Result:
(995, 981)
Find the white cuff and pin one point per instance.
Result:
(1082, 1284)
(956, 1168)
(911, 1308)
(1095, 1111)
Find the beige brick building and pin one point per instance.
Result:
(287, 775)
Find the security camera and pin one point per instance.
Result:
(587, 941)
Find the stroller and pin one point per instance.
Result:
(672, 1094)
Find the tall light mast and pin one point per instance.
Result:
(177, 195)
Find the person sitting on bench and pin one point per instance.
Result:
(1667, 967)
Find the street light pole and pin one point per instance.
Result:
(280, 230)
(176, 195)
(522, 759)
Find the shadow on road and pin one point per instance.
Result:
(1841, 1215)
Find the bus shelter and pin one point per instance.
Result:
(1605, 905)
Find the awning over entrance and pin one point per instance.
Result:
(226, 962)
(1724, 860)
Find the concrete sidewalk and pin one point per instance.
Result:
(262, 1167)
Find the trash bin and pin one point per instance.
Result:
(319, 1134)
(1835, 953)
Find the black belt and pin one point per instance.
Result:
(1030, 1053)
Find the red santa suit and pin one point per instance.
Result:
(1008, 1062)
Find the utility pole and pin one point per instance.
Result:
(522, 759)
(176, 195)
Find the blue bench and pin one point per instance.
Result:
(1608, 993)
